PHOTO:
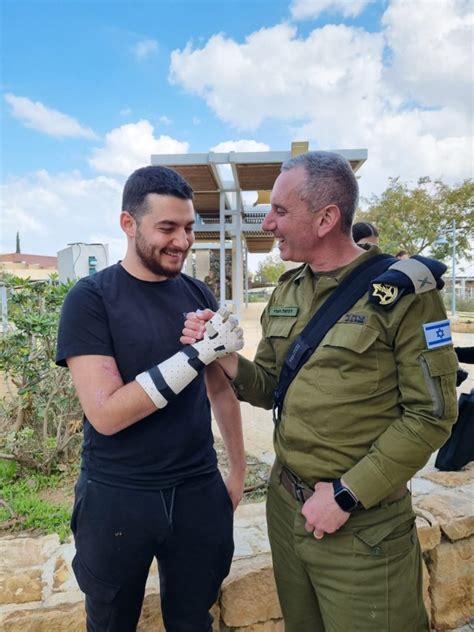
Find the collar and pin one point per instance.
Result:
(340, 272)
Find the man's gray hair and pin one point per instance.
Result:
(329, 180)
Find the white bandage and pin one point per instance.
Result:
(163, 382)
(150, 389)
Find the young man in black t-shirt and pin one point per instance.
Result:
(149, 485)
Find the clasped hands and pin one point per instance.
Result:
(213, 334)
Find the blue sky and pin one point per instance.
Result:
(91, 88)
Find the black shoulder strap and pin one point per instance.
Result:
(349, 292)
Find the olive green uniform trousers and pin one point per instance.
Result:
(366, 577)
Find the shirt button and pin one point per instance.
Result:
(377, 550)
(241, 387)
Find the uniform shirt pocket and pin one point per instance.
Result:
(278, 332)
(439, 369)
(347, 362)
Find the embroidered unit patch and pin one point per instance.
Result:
(437, 334)
(283, 310)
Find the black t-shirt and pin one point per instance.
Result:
(139, 323)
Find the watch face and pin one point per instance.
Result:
(345, 500)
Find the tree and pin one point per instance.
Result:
(413, 219)
(41, 415)
(270, 269)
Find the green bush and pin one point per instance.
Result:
(41, 413)
(462, 304)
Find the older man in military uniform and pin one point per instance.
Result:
(359, 419)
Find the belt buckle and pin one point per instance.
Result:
(299, 491)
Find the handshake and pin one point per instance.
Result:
(204, 342)
(215, 338)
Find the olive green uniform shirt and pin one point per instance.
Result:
(372, 402)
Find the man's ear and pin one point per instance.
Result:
(328, 219)
(128, 224)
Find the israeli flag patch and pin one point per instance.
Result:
(437, 334)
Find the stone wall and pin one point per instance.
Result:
(38, 592)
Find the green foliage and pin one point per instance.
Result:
(41, 410)
(270, 270)
(24, 509)
(413, 219)
(465, 305)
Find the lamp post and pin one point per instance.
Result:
(453, 289)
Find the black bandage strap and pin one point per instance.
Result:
(160, 383)
(193, 355)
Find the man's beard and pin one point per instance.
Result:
(146, 254)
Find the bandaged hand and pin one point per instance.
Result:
(222, 335)
(163, 382)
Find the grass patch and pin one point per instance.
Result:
(24, 509)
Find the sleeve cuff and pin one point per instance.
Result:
(368, 483)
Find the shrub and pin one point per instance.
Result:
(41, 413)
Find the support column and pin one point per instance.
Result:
(222, 248)
(203, 263)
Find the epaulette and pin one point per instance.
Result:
(406, 276)
(286, 275)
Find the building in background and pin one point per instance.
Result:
(36, 267)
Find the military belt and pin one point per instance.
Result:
(301, 491)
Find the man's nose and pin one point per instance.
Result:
(269, 222)
(182, 240)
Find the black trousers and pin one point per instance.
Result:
(119, 531)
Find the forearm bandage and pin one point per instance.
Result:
(163, 382)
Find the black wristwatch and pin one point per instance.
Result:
(346, 500)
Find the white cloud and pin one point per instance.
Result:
(145, 48)
(52, 210)
(307, 9)
(130, 146)
(35, 115)
(431, 45)
(239, 145)
(125, 112)
(345, 87)
(244, 87)
(165, 120)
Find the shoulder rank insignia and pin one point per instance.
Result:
(414, 275)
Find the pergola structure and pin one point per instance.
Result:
(231, 199)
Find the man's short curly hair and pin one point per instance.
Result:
(152, 179)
